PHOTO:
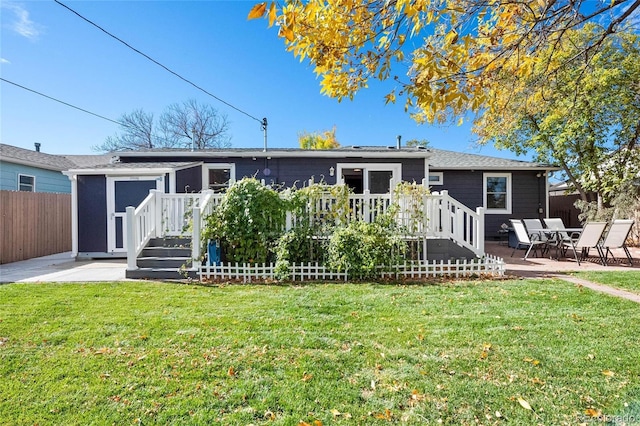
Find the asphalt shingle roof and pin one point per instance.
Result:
(448, 160)
(13, 154)
(438, 159)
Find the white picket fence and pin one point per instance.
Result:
(489, 266)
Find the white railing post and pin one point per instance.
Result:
(445, 214)
(458, 228)
(195, 239)
(131, 238)
(366, 207)
(288, 221)
(157, 194)
(480, 230)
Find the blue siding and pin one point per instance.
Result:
(527, 194)
(46, 180)
(92, 214)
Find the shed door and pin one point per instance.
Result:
(121, 193)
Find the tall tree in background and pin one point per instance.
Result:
(318, 140)
(137, 132)
(195, 125)
(457, 49)
(415, 143)
(585, 116)
(452, 59)
(186, 125)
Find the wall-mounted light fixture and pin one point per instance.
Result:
(332, 171)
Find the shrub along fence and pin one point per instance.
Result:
(325, 232)
(34, 224)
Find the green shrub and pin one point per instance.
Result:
(248, 222)
(360, 248)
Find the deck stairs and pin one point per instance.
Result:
(166, 258)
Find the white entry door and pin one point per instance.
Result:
(121, 193)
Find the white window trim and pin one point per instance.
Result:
(216, 166)
(440, 180)
(394, 168)
(484, 193)
(33, 185)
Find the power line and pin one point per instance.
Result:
(158, 63)
(120, 123)
(63, 102)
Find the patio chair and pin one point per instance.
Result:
(533, 242)
(617, 238)
(534, 226)
(557, 223)
(589, 238)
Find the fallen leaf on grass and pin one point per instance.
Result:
(335, 412)
(608, 373)
(524, 404)
(384, 416)
(532, 361)
(591, 412)
(231, 372)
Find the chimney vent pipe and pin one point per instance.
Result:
(37, 144)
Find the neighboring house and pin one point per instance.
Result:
(33, 171)
(101, 192)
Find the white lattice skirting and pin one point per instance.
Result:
(487, 266)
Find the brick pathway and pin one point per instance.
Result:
(543, 267)
(599, 287)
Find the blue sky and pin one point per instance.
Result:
(47, 48)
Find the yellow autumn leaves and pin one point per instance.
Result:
(462, 47)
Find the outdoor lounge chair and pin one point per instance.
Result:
(533, 242)
(589, 238)
(617, 238)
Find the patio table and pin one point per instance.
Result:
(558, 235)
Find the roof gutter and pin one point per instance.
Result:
(355, 153)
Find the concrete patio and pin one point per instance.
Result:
(535, 267)
(63, 268)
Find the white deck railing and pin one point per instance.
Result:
(141, 227)
(161, 215)
(450, 219)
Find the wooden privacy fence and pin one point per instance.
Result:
(34, 224)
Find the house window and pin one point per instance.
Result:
(377, 178)
(497, 193)
(436, 178)
(26, 183)
(218, 176)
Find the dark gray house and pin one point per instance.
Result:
(101, 193)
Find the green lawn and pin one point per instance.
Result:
(465, 353)
(626, 280)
